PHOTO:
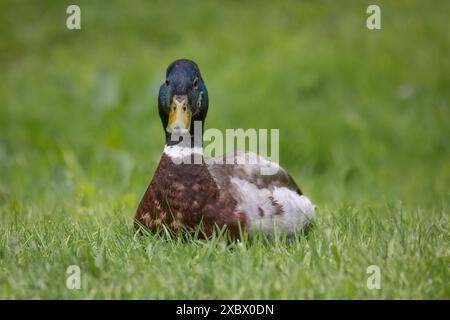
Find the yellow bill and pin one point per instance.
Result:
(179, 116)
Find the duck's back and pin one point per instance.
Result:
(264, 191)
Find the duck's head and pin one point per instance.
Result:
(183, 98)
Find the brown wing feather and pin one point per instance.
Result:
(222, 171)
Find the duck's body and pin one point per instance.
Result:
(211, 192)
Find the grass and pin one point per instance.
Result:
(364, 127)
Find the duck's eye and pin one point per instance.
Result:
(195, 84)
(184, 108)
(167, 82)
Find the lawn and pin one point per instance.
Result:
(364, 119)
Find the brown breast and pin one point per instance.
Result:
(187, 195)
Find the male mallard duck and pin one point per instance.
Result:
(209, 193)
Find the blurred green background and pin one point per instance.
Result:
(363, 115)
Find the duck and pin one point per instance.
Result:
(189, 190)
